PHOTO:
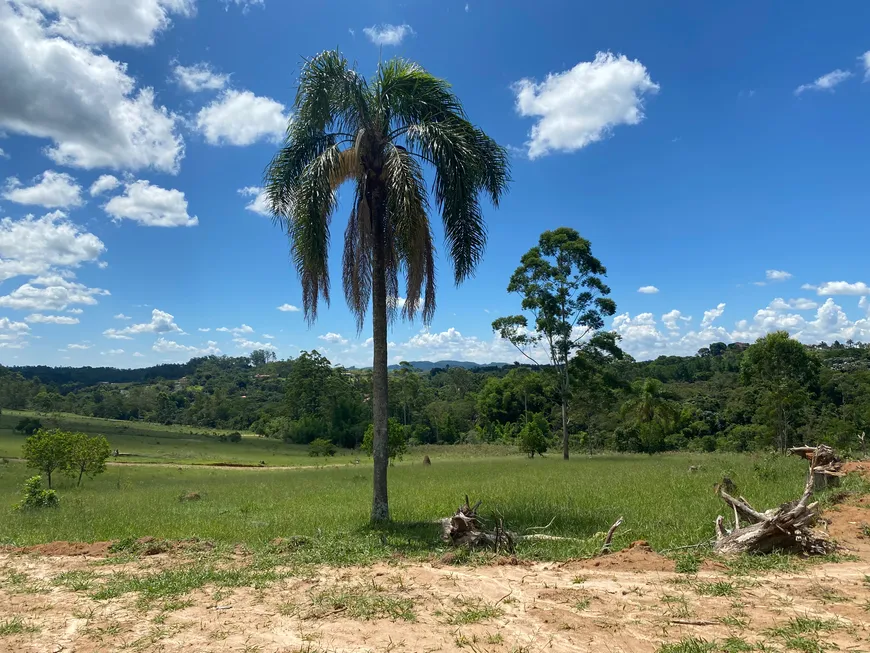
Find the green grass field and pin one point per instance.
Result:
(143, 442)
(661, 499)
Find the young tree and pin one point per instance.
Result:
(561, 286)
(652, 410)
(379, 134)
(47, 451)
(86, 455)
(533, 437)
(784, 370)
(397, 443)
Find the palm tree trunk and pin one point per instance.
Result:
(380, 397)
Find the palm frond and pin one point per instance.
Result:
(356, 263)
(407, 94)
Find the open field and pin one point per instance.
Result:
(661, 499)
(192, 597)
(143, 442)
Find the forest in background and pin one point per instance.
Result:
(731, 397)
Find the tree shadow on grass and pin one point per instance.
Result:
(407, 536)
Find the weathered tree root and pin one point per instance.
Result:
(787, 528)
(464, 529)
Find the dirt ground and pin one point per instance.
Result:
(632, 601)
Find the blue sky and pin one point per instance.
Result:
(714, 156)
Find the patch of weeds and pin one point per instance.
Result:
(827, 594)
(734, 621)
(20, 584)
(579, 580)
(177, 582)
(802, 633)
(288, 609)
(76, 580)
(494, 638)
(176, 604)
(690, 645)
(735, 645)
(720, 588)
(688, 563)
(472, 611)
(746, 564)
(364, 602)
(678, 606)
(580, 606)
(865, 529)
(16, 626)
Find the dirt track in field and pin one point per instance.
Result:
(632, 601)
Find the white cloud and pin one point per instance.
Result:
(50, 292)
(648, 290)
(865, 61)
(109, 22)
(582, 105)
(258, 204)
(825, 82)
(32, 246)
(51, 190)
(333, 338)
(251, 345)
(80, 99)
(39, 318)
(13, 334)
(388, 34)
(777, 275)
(236, 330)
(672, 319)
(121, 316)
(242, 118)
(79, 346)
(244, 4)
(642, 338)
(75, 311)
(103, 184)
(467, 8)
(288, 308)
(3, 154)
(841, 288)
(165, 346)
(161, 322)
(268, 337)
(151, 206)
(136, 354)
(199, 77)
(711, 315)
(204, 330)
(112, 352)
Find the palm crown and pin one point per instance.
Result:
(379, 135)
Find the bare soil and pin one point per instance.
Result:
(632, 601)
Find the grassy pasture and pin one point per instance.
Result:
(143, 442)
(661, 499)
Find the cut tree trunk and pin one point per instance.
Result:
(787, 528)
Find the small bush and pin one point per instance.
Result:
(397, 444)
(533, 437)
(321, 447)
(28, 425)
(235, 437)
(35, 496)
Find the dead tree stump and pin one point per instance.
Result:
(465, 528)
(825, 465)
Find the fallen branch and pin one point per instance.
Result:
(609, 538)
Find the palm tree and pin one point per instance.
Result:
(651, 408)
(379, 135)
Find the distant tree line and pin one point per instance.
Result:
(732, 397)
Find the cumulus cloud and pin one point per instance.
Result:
(13, 334)
(136, 354)
(104, 184)
(39, 318)
(288, 308)
(51, 292)
(236, 330)
(151, 206)
(51, 190)
(865, 61)
(56, 87)
(112, 352)
(333, 338)
(165, 346)
(121, 316)
(258, 204)
(777, 275)
(75, 311)
(199, 77)
(672, 319)
(648, 290)
(268, 337)
(242, 118)
(161, 322)
(584, 104)
(251, 345)
(711, 315)
(388, 34)
(203, 330)
(642, 337)
(82, 345)
(825, 82)
(841, 288)
(32, 246)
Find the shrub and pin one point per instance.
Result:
(321, 447)
(35, 496)
(235, 437)
(397, 444)
(28, 425)
(533, 437)
(305, 429)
